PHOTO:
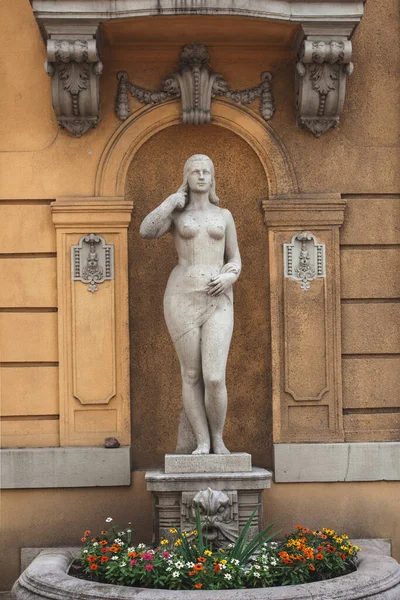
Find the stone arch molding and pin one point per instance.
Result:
(143, 124)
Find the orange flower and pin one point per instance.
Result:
(319, 556)
(311, 567)
(114, 548)
(132, 554)
(93, 540)
(198, 586)
(83, 539)
(103, 543)
(201, 559)
(323, 536)
(299, 527)
(93, 567)
(91, 558)
(217, 568)
(198, 567)
(191, 573)
(104, 559)
(87, 532)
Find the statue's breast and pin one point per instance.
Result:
(188, 228)
(216, 230)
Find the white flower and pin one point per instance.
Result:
(228, 575)
(95, 543)
(131, 549)
(223, 566)
(170, 561)
(273, 544)
(257, 575)
(141, 545)
(118, 540)
(128, 530)
(168, 569)
(257, 567)
(85, 551)
(234, 561)
(175, 574)
(189, 565)
(266, 568)
(274, 562)
(114, 558)
(123, 564)
(179, 564)
(109, 519)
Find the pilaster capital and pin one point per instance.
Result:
(101, 212)
(304, 210)
(323, 65)
(74, 65)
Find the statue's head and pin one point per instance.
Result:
(189, 165)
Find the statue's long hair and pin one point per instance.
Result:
(184, 188)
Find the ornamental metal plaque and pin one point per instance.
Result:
(304, 259)
(92, 261)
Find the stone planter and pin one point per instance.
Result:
(377, 578)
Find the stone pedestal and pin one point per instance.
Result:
(225, 488)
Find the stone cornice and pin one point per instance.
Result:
(296, 11)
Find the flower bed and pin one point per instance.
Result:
(188, 561)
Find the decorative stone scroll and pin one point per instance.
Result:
(75, 69)
(321, 74)
(218, 512)
(92, 261)
(304, 259)
(196, 85)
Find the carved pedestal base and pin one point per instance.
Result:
(225, 500)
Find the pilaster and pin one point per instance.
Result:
(93, 334)
(305, 316)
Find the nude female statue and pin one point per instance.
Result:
(198, 300)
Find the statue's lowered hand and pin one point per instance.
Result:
(219, 284)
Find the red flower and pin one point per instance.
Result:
(311, 567)
(93, 567)
(217, 568)
(198, 585)
(87, 532)
(319, 556)
(91, 558)
(198, 567)
(104, 559)
(83, 539)
(191, 573)
(201, 559)
(149, 567)
(103, 550)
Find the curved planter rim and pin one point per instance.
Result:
(377, 578)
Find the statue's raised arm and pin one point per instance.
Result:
(198, 300)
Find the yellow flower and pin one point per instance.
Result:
(207, 553)
(178, 542)
(223, 562)
(173, 530)
(350, 550)
(343, 547)
(194, 532)
(345, 537)
(185, 534)
(163, 542)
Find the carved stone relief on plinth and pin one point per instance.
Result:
(196, 85)
(321, 74)
(219, 514)
(75, 69)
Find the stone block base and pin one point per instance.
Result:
(225, 500)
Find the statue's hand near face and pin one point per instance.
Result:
(177, 201)
(218, 285)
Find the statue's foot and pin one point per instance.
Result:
(202, 449)
(220, 448)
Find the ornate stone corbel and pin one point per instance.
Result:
(75, 69)
(321, 74)
(196, 85)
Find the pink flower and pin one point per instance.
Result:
(149, 567)
(166, 554)
(147, 556)
(133, 562)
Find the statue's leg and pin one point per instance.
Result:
(188, 348)
(215, 342)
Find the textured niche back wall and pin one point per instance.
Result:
(156, 172)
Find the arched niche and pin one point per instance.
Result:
(143, 124)
(154, 172)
